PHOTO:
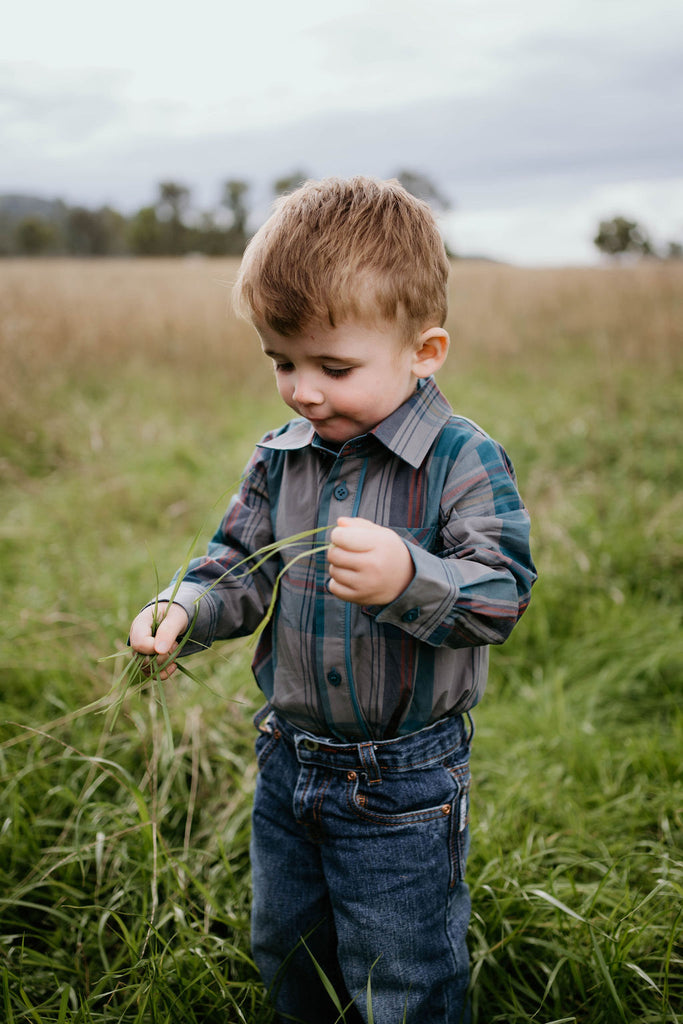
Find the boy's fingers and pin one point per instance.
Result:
(140, 636)
(354, 538)
(342, 558)
(158, 665)
(165, 663)
(343, 577)
(339, 590)
(345, 521)
(173, 623)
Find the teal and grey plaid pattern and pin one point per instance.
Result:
(350, 672)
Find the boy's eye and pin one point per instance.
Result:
(329, 371)
(336, 371)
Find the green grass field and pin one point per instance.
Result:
(129, 401)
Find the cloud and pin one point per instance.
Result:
(56, 106)
(564, 111)
(560, 229)
(507, 107)
(528, 144)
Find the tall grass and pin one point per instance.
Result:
(129, 400)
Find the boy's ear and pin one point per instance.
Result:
(431, 350)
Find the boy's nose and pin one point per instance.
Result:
(307, 392)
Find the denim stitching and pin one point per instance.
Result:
(462, 777)
(320, 797)
(299, 814)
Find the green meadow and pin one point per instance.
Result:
(130, 398)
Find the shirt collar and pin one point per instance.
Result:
(411, 430)
(408, 432)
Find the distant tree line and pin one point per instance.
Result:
(622, 237)
(169, 226)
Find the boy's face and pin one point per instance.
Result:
(344, 380)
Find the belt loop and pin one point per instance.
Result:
(264, 719)
(368, 759)
(471, 732)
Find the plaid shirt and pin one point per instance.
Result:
(371, 672)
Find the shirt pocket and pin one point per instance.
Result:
(426, 537)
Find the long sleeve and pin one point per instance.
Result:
(474, 589)
(228, 598)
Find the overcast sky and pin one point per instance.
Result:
(536, 118)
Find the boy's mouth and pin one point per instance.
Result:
(322, 424)
(314, 420)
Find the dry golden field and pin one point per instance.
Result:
(63, 315)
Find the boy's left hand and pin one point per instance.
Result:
(368, 564)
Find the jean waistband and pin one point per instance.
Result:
(417, 749)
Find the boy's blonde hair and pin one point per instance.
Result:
(342, 249)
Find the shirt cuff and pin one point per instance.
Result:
(424, 608)
(194, 601)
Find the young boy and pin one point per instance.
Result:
(378, 647)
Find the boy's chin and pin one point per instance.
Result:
(335, 431)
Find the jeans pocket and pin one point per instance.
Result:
(460, 819)
(402, 798)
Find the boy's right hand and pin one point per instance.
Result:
(142, 638)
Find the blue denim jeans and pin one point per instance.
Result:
(358, 858)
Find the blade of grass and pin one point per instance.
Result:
(327, 984)
(608, 979)
(63, 1005)
(6, 996)
(254, 638)
(557, 903)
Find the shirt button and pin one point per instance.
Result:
(334, 678)
(411, 615)
(340, 492)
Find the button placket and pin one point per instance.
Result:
(339, 497)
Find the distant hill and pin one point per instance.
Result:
(14, 208)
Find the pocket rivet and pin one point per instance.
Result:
(446, 809)
(351, 776)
